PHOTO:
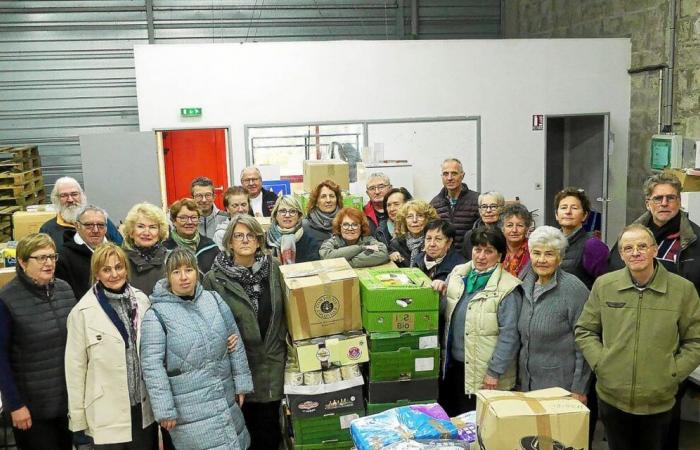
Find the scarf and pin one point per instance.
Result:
(415, 245)
(430, 262)
(285, 241)
(668, 239)
(148, 253)
(515, 262)
(191, 243)
(476, 281)
(250, 279)
(103, 296)
(322, 221)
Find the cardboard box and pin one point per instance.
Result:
(321, 353)
(398, 300)
(690, 183)
(331, 169)
(27, 222)
(349, 200)
(338, 402)
(324, 429)
(404, 364)
(547, 415)
(7, 274)
(321, 298)
(394, 340)
(411, 391)
(264, 223)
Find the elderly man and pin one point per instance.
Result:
(73, 265)
(210, 217)
(261, 200)
(640, 332)
(69, 198)
(378, 184)
(456, 203)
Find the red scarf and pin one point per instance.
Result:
(515, 262)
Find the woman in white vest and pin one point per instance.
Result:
(481, 307)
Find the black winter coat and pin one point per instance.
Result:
(145, 273)
(310, 243)
(442, 270)
(398, 244)
(462, 216)
(73, 265)
(206, 252)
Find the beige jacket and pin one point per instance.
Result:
(98, 391)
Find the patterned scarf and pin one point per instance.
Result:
(415, 245)
(250, 279)
(148, 253)
(191, 243)
(322, 221)
(284, 240)
(515, 262)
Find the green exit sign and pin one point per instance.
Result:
(190, 112)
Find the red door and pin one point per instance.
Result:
(193, 153)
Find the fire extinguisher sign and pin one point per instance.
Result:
(538, 122)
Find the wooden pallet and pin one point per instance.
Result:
(21, 165)
(20, 189)
(19, 178)
(25, 198)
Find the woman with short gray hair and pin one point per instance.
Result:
(491, 205)
(552, 303)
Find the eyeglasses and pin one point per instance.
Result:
(287, 212)
(488, 207)
(415, 218)
(630, 249)
(659, 199)
(67, 195)
(42, 259)
(244, 237)
(185, 219)
(250, 180)
(350, 226)
(208, 196)
(93, 226)
(377, 188)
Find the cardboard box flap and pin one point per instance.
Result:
(316, 272)
(543, 402)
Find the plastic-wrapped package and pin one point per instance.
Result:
(466, 426)
(432, 444)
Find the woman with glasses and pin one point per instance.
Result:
(386, 230)
(352, 240)
(236, 201)
(324, 203)
(490, 207)
(250, 283)
(34, 308)
(285, 238)
(517, 221)
(411, 220)
(106, 394)
(145, 229)
(586, 256)
(184, 216)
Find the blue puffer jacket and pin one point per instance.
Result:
(198, 384)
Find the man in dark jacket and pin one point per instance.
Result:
(261, 200)
(73, 265)
(455, 202)
(679, 250)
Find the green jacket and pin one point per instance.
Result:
(266, 355)
(356, 255)
(640, 344)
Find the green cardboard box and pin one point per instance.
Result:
(404, 364)
(376, 408)
(397, 300)
(327, 429)
(349, 200)
(340, 445)
(394, 340)
(413, 391)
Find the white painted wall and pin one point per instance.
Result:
(504, 82)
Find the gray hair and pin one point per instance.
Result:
(517, 210)
(661, 178)
(251, 168)
(461, 167)
(93, 208)
(379, 175)
(201, 182)
(497, 195)
(547, 236)
(65, 180)
(178, 257)
(637, 227)
(252, 224)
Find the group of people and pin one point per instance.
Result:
(177, 322)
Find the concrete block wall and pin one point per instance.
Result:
(644, 22)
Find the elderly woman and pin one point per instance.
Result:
(351, 240)
(411, 220)
(236, 201)
(517, 221)
(586, 256)
(34, 308)
(439, 258)
(251, 285)
(103, 350)
(324, 203)
(480, 339)
(184, 216)
(386, 230)
(490, 207)
(196, 385)
(145, 229)
(552, 302)
(286, 238)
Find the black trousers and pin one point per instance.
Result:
(625, 431)
(45, 434)
(592, 405)
(263, 423)
(674, 429)
(451, 394)
(141, 438)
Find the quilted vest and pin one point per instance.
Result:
(573, 258)
(481, 324)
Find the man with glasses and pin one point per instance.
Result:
(210, 217)
(456, 203)
(73, 264)
(640, 333)
(261, 200)
(69, 198)
(378, 184)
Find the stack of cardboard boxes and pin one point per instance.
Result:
(400, 315)
(323, 379)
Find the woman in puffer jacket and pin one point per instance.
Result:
(195, 385)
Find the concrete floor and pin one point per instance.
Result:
(689, 440)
